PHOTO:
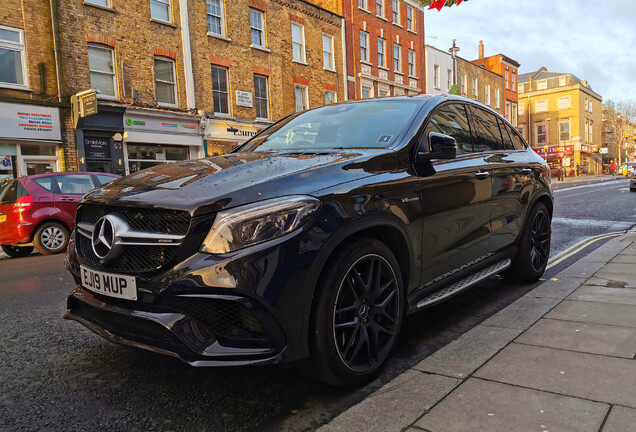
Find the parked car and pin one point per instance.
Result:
(39, 210)
(632, 182)
(315, 238)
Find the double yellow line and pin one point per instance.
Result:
(578, 247)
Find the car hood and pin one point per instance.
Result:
(212, 184)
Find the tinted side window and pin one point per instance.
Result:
(11, 191)
(102, 179)
(74, 183)
(516, 138)
(452, 120)
(45, 182)
(485, 131)
(508, 145)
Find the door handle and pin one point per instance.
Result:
(66, 199)
(527, 170)
(482, 174)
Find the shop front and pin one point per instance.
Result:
(221, 135)
(30, 138)
(100, 140)
(591, 160)
(154, 137)
(559, 157)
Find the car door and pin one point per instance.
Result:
(456, 200)
(70, 189)
(511, 177)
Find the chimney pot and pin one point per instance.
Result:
(481, 49)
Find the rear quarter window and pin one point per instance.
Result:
(11, 191)
(517, 141)
(45, 182)
(103, 179)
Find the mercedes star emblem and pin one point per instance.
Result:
(104, 238)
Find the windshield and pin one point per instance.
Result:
(369, 124)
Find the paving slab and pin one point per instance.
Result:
(479, 405)
(624, 259)
(619, 272)
(621, 419)
(522, 313)
(396, 405)
(597, 294)
(557, 287)
(591, 312)
(583, 268)
(589, 338)
(588, 376)
(464, 355)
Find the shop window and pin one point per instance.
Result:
(38, 149)
(257, 28)
(101, 64)
(364, 46)
(410, 19)
(301, 96)
(220, 90)
(397, 58)
(160, 10)
(33, 167)
(411, 63)
(381, 52)
(13, 70)
(261, 97)
(327, 52)
(330, 97)
(216, 24)
(165, 84)
(298, 42)
(141, 156)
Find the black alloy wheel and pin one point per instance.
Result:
(365, 313)
(534, 246)
(540, 241)
(358, 314)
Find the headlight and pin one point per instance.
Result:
(258, 222)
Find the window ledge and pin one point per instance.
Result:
(109, 9)
(167, 105)
(366, 62)
(397, 72)
(364, 10)
(384, 68)
(382, 18)
(330, 70)
(413, 77)
(15, 87)
(397, 25)
(225, 38)
(108, 98)
(300, 62)
(411, 31)
(166, 23)
(262, 119)
(260, 48)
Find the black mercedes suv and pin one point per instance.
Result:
(313, 239)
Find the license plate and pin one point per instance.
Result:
(3, 218)
(109, 284)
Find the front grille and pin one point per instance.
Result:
(226, 319)
(123, 325)
(134, 258)
(145, 219)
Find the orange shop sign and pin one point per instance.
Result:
(557, 151)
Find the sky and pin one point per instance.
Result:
(592, 39)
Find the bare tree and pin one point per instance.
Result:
(619, 125)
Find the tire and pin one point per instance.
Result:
(534, 247)
(357, 314)
(50, 238)
(17, 251)
(631, 189)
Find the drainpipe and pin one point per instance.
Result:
(344, 60)
(187, 54)
(56, 50)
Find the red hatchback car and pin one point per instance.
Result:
(39, 210)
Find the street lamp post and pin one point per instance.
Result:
(454, 50)
(547, 138)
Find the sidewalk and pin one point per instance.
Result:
(561, 358)
(588, 177)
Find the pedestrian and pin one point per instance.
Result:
(612, 167)
(578, 169)
(560, 174)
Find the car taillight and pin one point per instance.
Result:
(22, 203)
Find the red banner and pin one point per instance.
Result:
(555, 151)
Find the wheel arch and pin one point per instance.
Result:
(42, 222)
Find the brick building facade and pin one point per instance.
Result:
(385, 47)
(477, 82)
(508, 69)
(34, 123)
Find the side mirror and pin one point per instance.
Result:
(441, 147)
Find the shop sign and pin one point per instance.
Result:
(138, 123)
(29, 122)
(555, 151)
(604, 150)
(6, 163)
(244, 99)
(97, 148)
(231, 131)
